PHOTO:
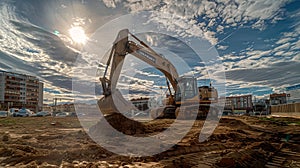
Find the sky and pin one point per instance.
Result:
(257, 41)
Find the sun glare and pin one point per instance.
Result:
(78, 35)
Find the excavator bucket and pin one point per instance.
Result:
(113, 108)
(115, 103)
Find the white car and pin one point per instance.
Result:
(13, 110)
(42, 114)
(23, 113)
(61, 114)
(4, 113)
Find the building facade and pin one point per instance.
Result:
(278, 98)
(20, 91)
(140, 103)
(293, 94)
(239, 103)
(41, 96)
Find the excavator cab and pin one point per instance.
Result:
(186, 88)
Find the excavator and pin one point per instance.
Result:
(185, 88)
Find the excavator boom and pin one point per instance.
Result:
(122, 46)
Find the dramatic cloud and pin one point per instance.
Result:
(257, 40)
(205, 18)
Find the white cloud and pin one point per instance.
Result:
(296, 45)
(297, 57)
(283, 47)
(179, 16)
(292, 33)
(284, 40)
(257, 54)
(230, 57)
(288, 54)
(220, 47)
(211, 37)
(220, 29)
(261, 9)
(279, 53)
(278, 75)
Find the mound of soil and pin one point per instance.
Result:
(120, 123)
(233, 123)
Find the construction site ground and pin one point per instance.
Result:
(238, 141)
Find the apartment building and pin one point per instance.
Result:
(278, 98)
(239, 103)
(140, 103)
(19, 90)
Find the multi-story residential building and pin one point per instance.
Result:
(20, 91)
(2, 87)
(278, 98)
(239, 103)
(140, 103)
(41, 96)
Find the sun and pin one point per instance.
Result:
(78, 35)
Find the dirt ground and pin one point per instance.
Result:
(243, 141)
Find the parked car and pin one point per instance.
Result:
(42, 114)
(23, 113)
(256, 113)
(4, 113)
(74, 114)
(261, 113)
(61, 114)
(227, 113)
(13, 110)
(240, 113)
